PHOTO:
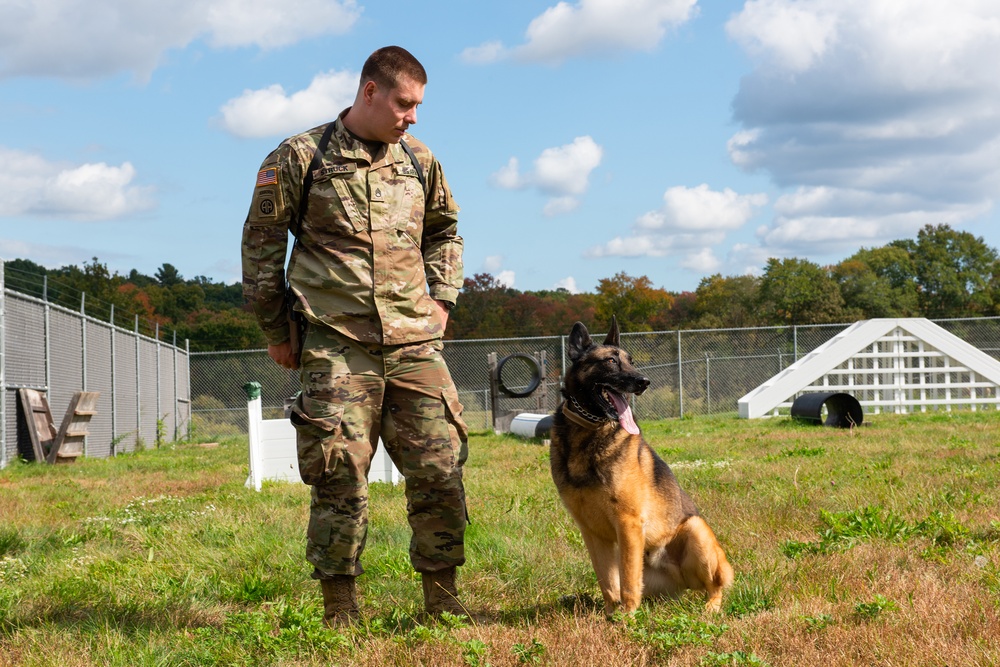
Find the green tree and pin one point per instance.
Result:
(727, 302)
(954, 271)
(226, 330)
(168, 275)
(797, 291)
(877, 282)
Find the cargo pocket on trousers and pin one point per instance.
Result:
(458, 429)
(317, 425)
(318, 532)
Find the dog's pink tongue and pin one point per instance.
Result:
(624, 413)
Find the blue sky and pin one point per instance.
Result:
(668, 138)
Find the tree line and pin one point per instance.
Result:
(941, 273)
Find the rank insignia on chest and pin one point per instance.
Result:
(267, 176)
(377, 195)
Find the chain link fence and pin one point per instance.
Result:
(143, 382)
(695, 372)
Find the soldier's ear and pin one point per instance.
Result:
(579, 341)
(614, 337)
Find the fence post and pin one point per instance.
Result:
(176, 397)
(138, 387)
(83, 341)
(3, 368)
(114, 410)
(680, 375)
(562, 363)
(159, 405)
(48, 337)
(795, 342)
(708, 384)
(187, 359)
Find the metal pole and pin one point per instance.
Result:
(83, 357)
(176, 397)
(3, 368)
(114, 410)
(48, 338)
(708, 383)
(187, 355)
(159, 406)
(138, 386)
(680, 375)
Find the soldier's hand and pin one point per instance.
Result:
(282, 355)
(443, 312)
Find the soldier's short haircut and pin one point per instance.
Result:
(386, 65)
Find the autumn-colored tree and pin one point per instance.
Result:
(479, 312)
(634, 301)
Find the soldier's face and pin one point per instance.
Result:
(393, 110)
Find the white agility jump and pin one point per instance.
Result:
(273, 455)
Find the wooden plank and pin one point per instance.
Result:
(68, 443)
(38, 417)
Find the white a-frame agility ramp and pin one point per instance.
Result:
(889, 365)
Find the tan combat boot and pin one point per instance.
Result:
(340, 602)
(440, 593)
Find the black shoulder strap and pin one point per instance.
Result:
(416, 165)
(307, 180)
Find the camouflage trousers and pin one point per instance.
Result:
(352, 393)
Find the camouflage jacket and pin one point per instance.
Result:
(374, 249)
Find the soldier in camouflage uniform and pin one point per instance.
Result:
(375, 268)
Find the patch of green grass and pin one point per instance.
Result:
(869, 611)
(667, 632)
(748, 597)
(733, 658)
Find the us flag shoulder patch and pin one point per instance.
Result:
(267, 176)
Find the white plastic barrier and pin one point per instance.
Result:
(273, 455)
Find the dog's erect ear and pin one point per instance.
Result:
(613, 337)
(579, 341)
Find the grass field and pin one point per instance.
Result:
(877, 546)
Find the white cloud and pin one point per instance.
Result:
(791, 35)
(568, 283)
(702, 261)
(90, 191)
(485, 53)
(562, 173)
(701, 209)
(75, 39)
(592, 27)
(876, 118)
(493, 263)
(589, 28)
(508, 176)
(505, 278)
(272, 112)
(270, 24)
(688, 225)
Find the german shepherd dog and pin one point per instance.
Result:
(643, 533)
